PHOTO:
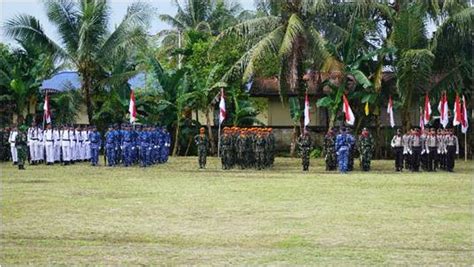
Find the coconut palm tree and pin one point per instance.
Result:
(87, 44)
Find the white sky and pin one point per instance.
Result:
(11, 8)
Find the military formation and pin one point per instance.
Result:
(427, 150)
(247, 148)
(244, 148)
(123, 145)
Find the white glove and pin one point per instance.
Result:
(409, 151)
(427, 151)
(422, 152)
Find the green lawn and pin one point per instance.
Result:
(176, 214)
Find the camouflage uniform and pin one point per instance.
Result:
(21, 147)
(365, 147)
(330, 151)
(242, 150)
(304, 142)
(260, 144)
(202, 144)
(226, 150)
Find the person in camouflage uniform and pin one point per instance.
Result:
(202, 144)
(242, 149)
(365, 145)
(259, 149)
(21, 146)
(225, 149)
(5, 145)
(271, 147)
(330, 150)
(304, 142)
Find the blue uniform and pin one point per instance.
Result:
(342, 150)
(127, 145)
(94, 138)
(145, 149)
(110, 147)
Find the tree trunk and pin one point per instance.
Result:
(209, 109)
(332, 119)
(86, 87)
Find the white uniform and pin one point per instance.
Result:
(40, 145)
(57, 145)
(79, 142)
(11, 140)
(49, 145)
(66, 145)
(86, 145)
(72, 146)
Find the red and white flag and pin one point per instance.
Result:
(307, 118)
(349, 115)
(132, 108)
(457, 111)
(47, 111)
(443, 110)
(464, 122)
(390, 111)
(427, 113)
(222, 113)
(422, 120)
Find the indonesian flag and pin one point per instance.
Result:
(132, 108)
(222, 112)
(349, 115)
(443, 110)
(47, 112)
(427, 112)
(422, 120)
(464, 122)
(390, 111)
(457, 111)
(307, 119)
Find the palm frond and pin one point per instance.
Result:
(294, 30)
(65, 15)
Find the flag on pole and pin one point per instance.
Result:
(349, 115)
(307, 118)
(222, 113)
(427, 112)
(366, 109)
(422, 120)
(132, 108)
(457, 111)
(464, 121)
(390, 111)
(47, 112)
(443, 110)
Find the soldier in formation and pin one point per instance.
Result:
(329, 150)
(365, 145)
(431, 150)
(397, 146)
(21, 147)
(68, 144)
(304, 143)
(202, 144)
(247, 148)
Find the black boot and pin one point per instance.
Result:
(21, 167)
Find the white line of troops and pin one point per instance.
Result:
(66, 144)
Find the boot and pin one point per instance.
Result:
(21, 167)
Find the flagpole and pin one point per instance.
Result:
(219, 141)
(465, 146)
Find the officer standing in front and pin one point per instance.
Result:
(304, 142)
(343, 146)
(202, 144)
(397, 146)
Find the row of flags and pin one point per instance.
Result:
(460, 111)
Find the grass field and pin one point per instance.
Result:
(175, 214)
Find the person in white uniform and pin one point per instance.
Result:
(66, 145)
(85, 144)
(49, 144)
(57, 144)
(11, 140)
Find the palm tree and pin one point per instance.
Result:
(86, 42)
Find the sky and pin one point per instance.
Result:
(10, 8)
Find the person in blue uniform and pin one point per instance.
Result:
(343, 146)
(155, 140)
(144, 140)
(118, 143)
(96, 142)
(127, 145)
(110, 146)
